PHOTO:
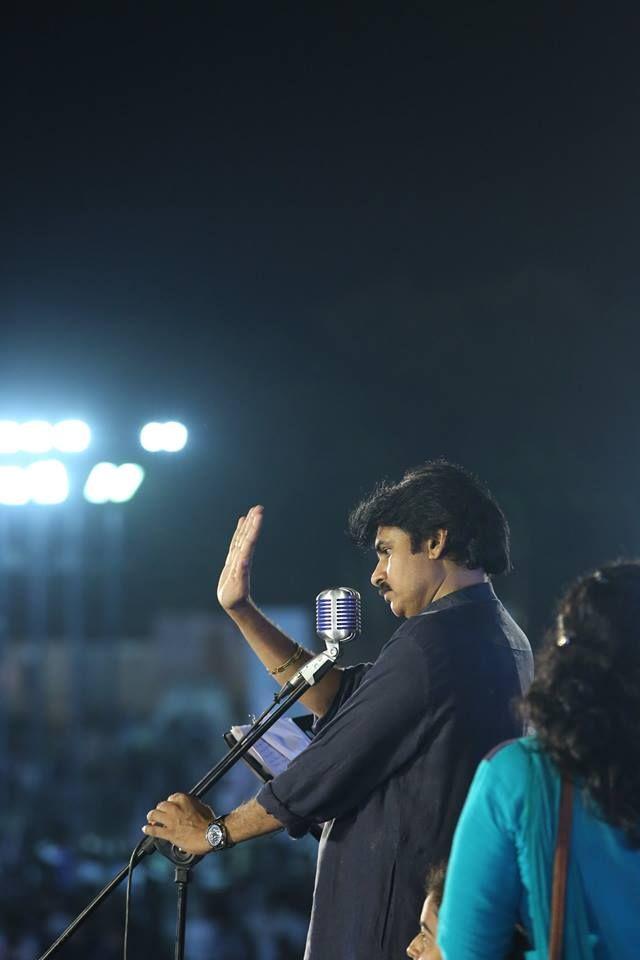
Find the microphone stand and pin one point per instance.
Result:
(306, 677)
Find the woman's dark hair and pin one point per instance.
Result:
(585, 700)
(439, 496)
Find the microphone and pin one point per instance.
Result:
(338, 620)
(338, 615)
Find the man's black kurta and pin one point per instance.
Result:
(390, 766)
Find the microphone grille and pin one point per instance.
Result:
(338, 614)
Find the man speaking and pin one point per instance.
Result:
(396, 742)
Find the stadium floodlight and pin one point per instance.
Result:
(47, 481)
(126, 480)
(151, 437)
(14, 489)
(108, 483)
(43, 482)
(169, 437)
(9, 436)
(71, 436)
(175, 436)
(36, 436)
(98, 485)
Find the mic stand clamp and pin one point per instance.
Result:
(295, 688)
(313, 671)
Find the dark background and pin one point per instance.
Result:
(335, 241)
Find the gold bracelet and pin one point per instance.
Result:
(295, 656)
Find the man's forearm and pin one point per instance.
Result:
(274, 648)
(248, 821)
(183, 820)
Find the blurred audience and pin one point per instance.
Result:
(55, 857)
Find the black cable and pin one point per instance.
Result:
(125, 939)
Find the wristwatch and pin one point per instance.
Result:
(217, 835)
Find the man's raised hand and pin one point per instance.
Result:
(234, 587)
(273, 647)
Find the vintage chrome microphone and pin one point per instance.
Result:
(338, 620)
(338, 615)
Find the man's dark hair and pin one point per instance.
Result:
(434, 886)
(585, 700)
(439, 496)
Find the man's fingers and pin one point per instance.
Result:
(157, 815)
(180, 800)
(238, 531)
(243, 526)
(155, 829)
(256, 522)
(163, 812)
(250, 532)
(244, 540)
(233, 545)
(233, 583)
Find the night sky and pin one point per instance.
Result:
(335, 241)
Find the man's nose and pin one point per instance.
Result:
(413, 951)
(378, 575)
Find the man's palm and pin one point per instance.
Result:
(234, 586)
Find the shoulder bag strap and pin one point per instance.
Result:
(560, 863)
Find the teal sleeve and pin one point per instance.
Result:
(482, 891)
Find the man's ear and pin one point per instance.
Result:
(436, 544)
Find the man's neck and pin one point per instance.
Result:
(458, 578)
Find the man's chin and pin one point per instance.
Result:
(395, 608)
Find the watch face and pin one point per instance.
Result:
(215, 835)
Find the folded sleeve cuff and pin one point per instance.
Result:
(294, 825)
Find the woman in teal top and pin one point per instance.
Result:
(585, 708)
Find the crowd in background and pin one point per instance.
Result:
(55, 855)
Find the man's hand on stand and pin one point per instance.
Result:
(183, 821)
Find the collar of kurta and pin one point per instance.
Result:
(476, 593)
